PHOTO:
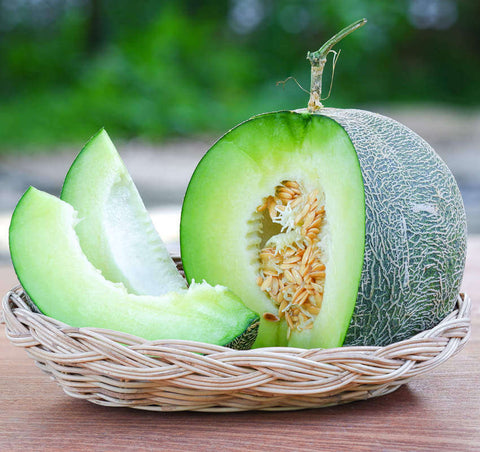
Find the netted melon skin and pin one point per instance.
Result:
(415, 240)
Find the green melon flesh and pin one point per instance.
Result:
(115, 230)
(396, 222)
(61, 281)
(219, 236)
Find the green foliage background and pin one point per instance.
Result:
(154, 69)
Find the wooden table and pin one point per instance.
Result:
(437, 411)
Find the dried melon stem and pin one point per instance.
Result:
(292, 268)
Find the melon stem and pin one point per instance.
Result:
(318, 60)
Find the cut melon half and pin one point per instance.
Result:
(114, 228)
(339, 226)
(380, 211)
(248, 217)
(63, 284)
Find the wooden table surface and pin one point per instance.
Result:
(435, 412)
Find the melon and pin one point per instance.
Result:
(114, 228)
(338, 226)
(65, 285)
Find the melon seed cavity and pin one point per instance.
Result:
(292, 264)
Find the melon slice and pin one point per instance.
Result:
(64, 284)
(334, 224)
(114, 228)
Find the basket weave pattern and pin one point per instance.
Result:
(117, 369)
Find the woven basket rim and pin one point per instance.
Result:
(461, 310)
(105, 366)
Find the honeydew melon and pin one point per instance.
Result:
(390, 234)
(64, 284)
(114, 228)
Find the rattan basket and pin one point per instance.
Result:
(116, 369)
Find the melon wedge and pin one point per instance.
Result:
(114, 228)
(64, 284)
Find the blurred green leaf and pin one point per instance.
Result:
(155, 69)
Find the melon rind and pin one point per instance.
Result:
(416, 229)
(114, 227)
